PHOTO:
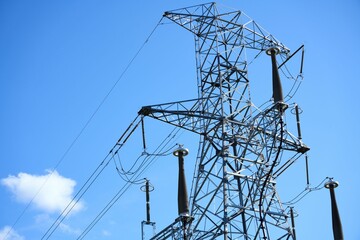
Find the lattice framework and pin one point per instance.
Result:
(243, 149)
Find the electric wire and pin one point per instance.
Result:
(305, 192)
(125, 174)
(287, 73)
(135, 178)
(81, 131)
(91, 179)
(75, 200)
(89, 182)
(132, 175)
(120, 169)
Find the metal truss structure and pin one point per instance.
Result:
(243, 149)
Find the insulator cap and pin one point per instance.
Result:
(331, 184)
(181, 149)
(275, 49)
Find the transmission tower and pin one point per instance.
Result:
(243, 148)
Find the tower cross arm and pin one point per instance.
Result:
(233, 28)
(184, 114)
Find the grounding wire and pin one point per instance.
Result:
(120, 193)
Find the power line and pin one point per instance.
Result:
(305, 192)
(133, 179)
(96, 173)
(76, 198)
(83, 129)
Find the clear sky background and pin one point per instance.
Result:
(58, 61)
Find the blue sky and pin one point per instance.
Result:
(58, 61)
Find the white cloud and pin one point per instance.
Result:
(52, 191)
(45, 219)
(68, 229)
(7, 233)
(106, 233)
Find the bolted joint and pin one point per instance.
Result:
(302, 149)
(225, 179)
(145, 111)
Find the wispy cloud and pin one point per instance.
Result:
(7, 233)
(46, 219)
(49, 193)
(70, 230)
(106, 233)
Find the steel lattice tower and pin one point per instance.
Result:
(243, 149)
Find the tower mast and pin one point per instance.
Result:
(243, 149)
